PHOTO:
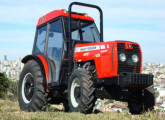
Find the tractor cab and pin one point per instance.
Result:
(52, 40)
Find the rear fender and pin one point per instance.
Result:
(42, 62)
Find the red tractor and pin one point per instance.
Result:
(71, 64)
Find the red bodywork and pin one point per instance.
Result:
(104, 55)
(57, 13)
(45, 65)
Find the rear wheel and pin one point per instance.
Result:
(81, 92)
(31, 93)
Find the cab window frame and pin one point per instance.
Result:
(36, 36)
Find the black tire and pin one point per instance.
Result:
(149, 98)
(143, 101)
(66, 106)
(135, 103)
(86, 90)
(35, 100)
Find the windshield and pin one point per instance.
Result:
(82, 30)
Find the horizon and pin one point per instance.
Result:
(137, 21)
(1, 59)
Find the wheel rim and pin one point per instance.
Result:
(27, 88)
(75, 92)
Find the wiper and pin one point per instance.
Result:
(91, 28)
(42, 42)
(79, 29)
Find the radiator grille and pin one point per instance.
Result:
(128, 65)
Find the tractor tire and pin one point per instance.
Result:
(81, 96)
(135, 103)
(149, 98)
(143, 102)
(66, 106)
(31, 93)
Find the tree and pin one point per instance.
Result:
(109, 101)
(12, 89)
(8, 88)
(4, 85)
(157, 94)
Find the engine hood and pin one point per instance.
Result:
(104, 55)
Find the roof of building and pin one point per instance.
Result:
(119, 106)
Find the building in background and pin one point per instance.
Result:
(11, 68)
(5, 57)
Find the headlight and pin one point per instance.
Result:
(122, 57)
(135, 58)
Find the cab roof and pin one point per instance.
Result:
(62, 12)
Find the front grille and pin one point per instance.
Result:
(128, 65)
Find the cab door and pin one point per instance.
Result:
(54, 50)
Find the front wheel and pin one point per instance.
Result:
(149, 98)
(81, 92)
(142, 101)
(31, 93)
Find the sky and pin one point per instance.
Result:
(141, 21)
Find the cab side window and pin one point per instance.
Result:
(55, 40)
(41, 38)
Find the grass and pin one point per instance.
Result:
(10, 111)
